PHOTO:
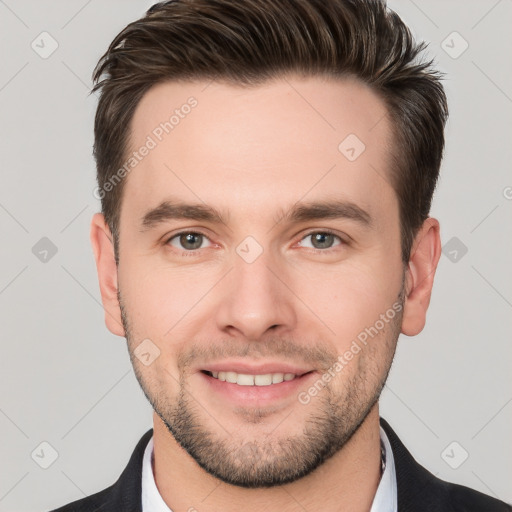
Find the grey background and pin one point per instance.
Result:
(68, 382)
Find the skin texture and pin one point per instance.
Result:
(253, 153)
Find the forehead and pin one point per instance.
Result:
(254, 146)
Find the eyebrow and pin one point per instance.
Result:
(170, 210)
(328, 209)
(299, 212)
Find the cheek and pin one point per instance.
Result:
(349, 298)
(162, 301)
(365, 359)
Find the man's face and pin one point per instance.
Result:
(262, 291)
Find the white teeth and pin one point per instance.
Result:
(243, 379)
(277, 378)
(263, 380)
(231, 377)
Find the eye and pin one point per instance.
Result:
(188, 240)
(322, 240)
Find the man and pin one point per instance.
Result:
(266, 169)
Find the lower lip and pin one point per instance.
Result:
(257, 395)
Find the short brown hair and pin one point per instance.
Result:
(250, 41)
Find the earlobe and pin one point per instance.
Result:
(425, 254)
(103, 248)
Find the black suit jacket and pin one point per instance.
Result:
(418, 489)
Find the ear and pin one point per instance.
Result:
(425, 254)
(103, 247)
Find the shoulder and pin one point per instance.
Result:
(125, 494)
(419, 490)
(459, 498)
(95, 503)
(465, 499)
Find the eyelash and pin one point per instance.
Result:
(194, 252)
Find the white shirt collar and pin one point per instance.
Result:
(385, 499)
(152, 501)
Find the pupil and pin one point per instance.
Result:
(189, 239)
(321, 238)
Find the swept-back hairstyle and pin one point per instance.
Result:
(248, 42)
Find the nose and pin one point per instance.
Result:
(255, 299)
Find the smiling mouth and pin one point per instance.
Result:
(246, 379)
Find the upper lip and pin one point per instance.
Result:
(255, 368)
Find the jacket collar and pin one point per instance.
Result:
(418, 490)
(414, 482)
(126, 493)
(412, 479)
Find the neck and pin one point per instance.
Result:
(350, 477)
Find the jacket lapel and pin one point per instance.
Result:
(418, 490)
(126, 493)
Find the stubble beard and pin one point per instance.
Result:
(269, 460)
